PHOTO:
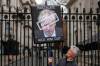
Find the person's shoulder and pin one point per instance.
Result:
(61, 62)
(73, 63)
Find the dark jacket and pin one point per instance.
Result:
(63, 62)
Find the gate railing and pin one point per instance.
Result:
(17, 47)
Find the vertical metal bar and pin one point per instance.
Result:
(33, 48)
(54, 55)
(88, 33)
(9, 33)
(69, 27)
(20, 44)
(4, 20)
(16, 33)
(62, 44)
(98, 30)
(24, 40)
(47, 54)
(73, 20)
(77, 33)
(58, 50)
(2, 53)
(94, 29)
(84, 31)
(29, 51)
(80, 20)
(39, 54)
(49, 49)
(91, 36)
(43, 54)
(73, 27)
(5, 59)
(98, 35)
(12, 24)
(77, 26)
(62, 15)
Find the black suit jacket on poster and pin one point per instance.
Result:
(39, 33)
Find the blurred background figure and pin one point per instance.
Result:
(11, 47)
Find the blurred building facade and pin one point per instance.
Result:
(79, 30)
(14, 22)
(22, 30)
(86, 30)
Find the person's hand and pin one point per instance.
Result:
(50, 60)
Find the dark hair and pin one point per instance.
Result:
(65, 49)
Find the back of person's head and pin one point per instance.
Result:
(75, 50)
(65, 49)
(72, 53)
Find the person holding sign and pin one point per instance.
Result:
(70, 56)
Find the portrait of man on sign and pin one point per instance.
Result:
(47, 22)
(45, 27)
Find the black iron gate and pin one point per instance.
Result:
(17, 47)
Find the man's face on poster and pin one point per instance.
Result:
(48, 23)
